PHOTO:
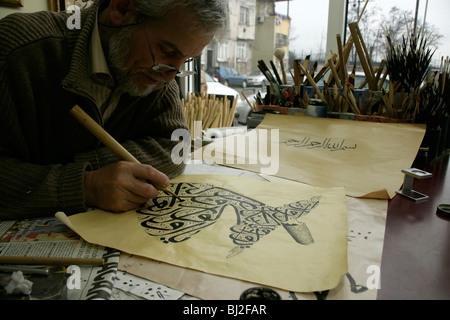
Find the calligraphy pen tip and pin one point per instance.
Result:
(171, 193)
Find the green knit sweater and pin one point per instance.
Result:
(44, 151)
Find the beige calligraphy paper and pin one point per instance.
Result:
(364, 157)
(274, 234)
(366, 228)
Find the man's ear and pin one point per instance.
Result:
(122, 12)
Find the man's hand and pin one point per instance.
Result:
(122, 186)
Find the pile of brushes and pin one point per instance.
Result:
(435, 98)
(408, 64)
(209, 111)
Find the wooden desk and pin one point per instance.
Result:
(416, 254)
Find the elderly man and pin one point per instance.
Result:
(119, 67)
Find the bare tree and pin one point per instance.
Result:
(369, 25)
(396, 23)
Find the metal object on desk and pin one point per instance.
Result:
(260, 293)
(407, 190)
(443, 210)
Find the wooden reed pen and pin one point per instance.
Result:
(211, 111)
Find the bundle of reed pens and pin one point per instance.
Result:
(339, 90)
(408, 64)
(209, 110)
(435, 95)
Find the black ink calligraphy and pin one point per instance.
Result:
(203, 204)
(330, 144)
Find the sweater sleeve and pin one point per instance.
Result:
(29, 190)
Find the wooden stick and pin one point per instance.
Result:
(336, 96)
(107, 140)
(312, 71)
(362, 12)
(298, 79)
(313, 84)
(444, 74)
(348, 46)
(383, 79)
(343, 65)
(335, 74)
(245, 97)
(379, 72)
(324, 69)
(233, 111)
(353, 103)
(327, 95)
(366, 52)
(346, 99)
(50, 261)
(365, 61)
(306, 62)
(337, 66)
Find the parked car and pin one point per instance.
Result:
(256, 79)
(214, 87)
(360, 77)
(228, 76)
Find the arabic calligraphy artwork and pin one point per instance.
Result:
(364, 157)
(330, 144)
(234, 227)
(366, 228)
(172, 220)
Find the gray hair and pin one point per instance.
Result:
(210, 15)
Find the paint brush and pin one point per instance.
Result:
(280, 53)
(306, 62)
(246, 99)
(313, 69)
(313, 84)
(108, 140)
(298, 78)
(275, 72)
(264, 69)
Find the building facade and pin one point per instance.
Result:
(255, 31)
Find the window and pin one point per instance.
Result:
(315, 34)
(281, 40)
(223, 52)
(244, 18)
(241, 53)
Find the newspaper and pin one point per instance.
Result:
(48, 237)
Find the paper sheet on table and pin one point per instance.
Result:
(364, 157)
(366, 228)
(143, 288)
(279, 235)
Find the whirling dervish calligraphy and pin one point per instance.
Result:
(201, 205)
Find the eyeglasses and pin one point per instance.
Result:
(164, 68)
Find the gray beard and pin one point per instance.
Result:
(118, 53)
